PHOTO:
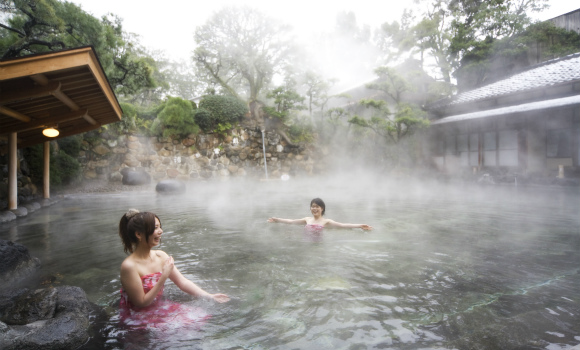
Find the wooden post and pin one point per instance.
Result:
(46, 170)
(12, 166)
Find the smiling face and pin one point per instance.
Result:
(155, 238)
(317, 207)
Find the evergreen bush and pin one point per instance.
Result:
(222, 110)
(64, 168)
(175, 119)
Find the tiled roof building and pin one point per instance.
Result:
(532, 81)
(526, 123)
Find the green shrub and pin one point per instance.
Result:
(204, 119)
(70, 145)
(34, 156)
(301, 130)
(175, 119)
(222, 110)
(64, 169)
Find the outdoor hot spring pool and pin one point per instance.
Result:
(446, 266)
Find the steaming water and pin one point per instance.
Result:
(445, 267)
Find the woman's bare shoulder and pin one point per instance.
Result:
(160, 254)
(330, 222)
(128, 264)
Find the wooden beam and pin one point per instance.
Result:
(14, 114)
(66, 100)
(90, 119)
(54, 119)
(40, 64)
(29, 94)
(41, 79)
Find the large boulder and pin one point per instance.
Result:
(69, 328)
(170, 186)
(135, 177)
(21, 307)
(15, 262)
(6, 216)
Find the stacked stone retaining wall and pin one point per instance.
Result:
(203, 156)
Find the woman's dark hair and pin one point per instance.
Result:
(133, 222)
(320, 203)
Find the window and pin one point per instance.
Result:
(489, 148)
(462, 148)
(474, 149)
(450, 147)
(558, 143)
(508, 148)
(438, 146)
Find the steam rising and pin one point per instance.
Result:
(441, 260)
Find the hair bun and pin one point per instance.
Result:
(130, 213)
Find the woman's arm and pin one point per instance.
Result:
(193, 289)
(133, 286)
(289, 221)
(332, 223)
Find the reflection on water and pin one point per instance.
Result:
(481, 268)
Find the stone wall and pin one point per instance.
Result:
(203, 156)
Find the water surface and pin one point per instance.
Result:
(446, 266)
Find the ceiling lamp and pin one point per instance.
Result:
(50, 132)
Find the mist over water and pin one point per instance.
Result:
(446, 266)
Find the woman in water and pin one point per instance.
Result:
(145, 271)
(316, 222)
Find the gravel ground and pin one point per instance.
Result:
(102, 186)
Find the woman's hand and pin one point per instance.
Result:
(167, 267)
(220, 298)
(366, 227)
(272, 219)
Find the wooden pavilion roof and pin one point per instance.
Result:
(67, 89)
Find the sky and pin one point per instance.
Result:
(170, 27)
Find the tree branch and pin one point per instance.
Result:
(21, 34)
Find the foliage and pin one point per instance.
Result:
(391, 83)
(71, 145)
(64, 168)
(204, 119)
(218, 109)
(482, 61)
(136, 119)
(301, 130)
(38, 26)
(154, 93)
(336, 115)
(180, 76)
(240, 49)
(286, 99)
(34, 155)
(405, 122)
(477, 22)
(556, 42)
(175, 118)
(446, 31)
(222, 129)
(317, 91)
(407, 116)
